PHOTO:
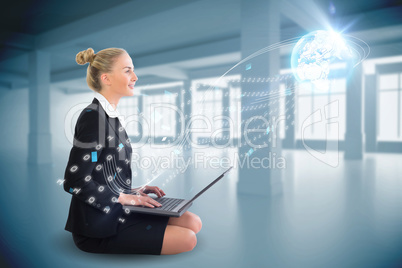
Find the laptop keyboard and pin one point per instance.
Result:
(168, 204)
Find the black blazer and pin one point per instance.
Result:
(98, 169)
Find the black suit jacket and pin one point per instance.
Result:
(98, 169)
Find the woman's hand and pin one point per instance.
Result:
(138, 200)
(150, 189)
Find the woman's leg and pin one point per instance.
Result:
(177, 240)
(180, 233)
(188, 220)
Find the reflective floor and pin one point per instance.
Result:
(312, 215)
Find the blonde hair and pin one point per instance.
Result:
(101, 62)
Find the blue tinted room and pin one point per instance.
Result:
(302, 98)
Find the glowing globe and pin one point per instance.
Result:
(313, 55)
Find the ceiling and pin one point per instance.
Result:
(36, 17)
(39, 16)
(177, 36)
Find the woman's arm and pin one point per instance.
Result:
(83, 164)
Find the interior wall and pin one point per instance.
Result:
(15, 127)
(65, 109)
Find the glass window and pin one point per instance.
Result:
(208, 105)
(129, 110)
(208, 98)
(235, 111)
(160, 111)
(303, 111)
(388, 124)
(332, 107)
(319, 127)
(388, 81)
(389, 107)
(282, 113)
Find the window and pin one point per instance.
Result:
(207, 105)
(309, 100)
(213, 98)
(161, 111)
(389, 107)
(282, 113)
(235, 110)
(129, 109)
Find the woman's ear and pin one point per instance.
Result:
(105, 79)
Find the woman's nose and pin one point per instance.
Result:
(134, 77)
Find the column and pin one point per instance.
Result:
(370, 113)
(226, 114)
(289, 142)
(39, 140)
(187, 109)
(260, 27)
(353, 135)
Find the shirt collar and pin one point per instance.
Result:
(113, 113)
(110, 111)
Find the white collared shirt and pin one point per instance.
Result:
(109, 109)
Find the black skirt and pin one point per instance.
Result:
(133, 237)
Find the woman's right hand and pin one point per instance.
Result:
(138, 200)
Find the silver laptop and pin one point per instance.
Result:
(173, 207)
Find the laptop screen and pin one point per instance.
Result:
(207, 187)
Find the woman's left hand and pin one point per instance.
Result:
(151, 189)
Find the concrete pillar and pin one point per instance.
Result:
(260, 27)
(237, 117)
(226, 114)
(289, 142)
(187, 109)
(39, 140)
(353, 135)
(370, 113)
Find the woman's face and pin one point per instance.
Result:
(122, 78)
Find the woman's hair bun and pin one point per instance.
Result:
(85, 56)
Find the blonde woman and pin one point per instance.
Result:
(98, 173)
